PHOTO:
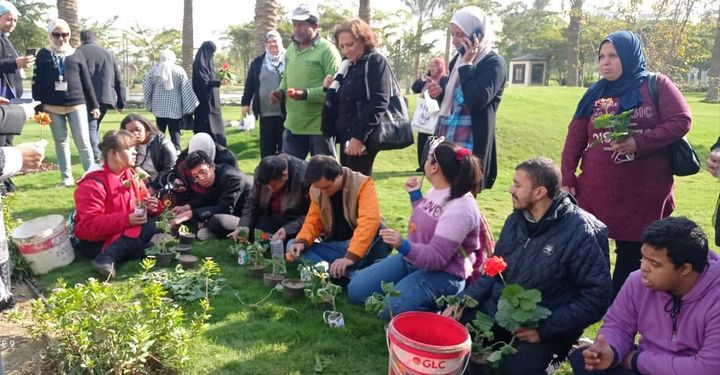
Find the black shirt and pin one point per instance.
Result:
(341, 228)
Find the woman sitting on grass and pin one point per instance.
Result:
(107, 225)
(155, 153)
(444, 236)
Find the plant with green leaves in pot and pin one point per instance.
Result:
(318, 277)
(239, 249)
(375, 303)
(278, 270)
(185, 234)
(164, 221)
(456, 304)
(328, 293)
(256, 260)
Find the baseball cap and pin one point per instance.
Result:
(304, 12)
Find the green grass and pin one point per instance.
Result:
(277, 340)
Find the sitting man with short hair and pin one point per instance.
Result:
(279, 199)
(344, 210)
(219, 207)
(672, 302)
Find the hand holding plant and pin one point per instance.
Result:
(224, 74)
(619, 125)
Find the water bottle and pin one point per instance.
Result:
(277, 253)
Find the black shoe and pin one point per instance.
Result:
(104, 265)
(7, 304)
(10, 186)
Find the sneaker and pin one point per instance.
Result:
(204, 234)
(106, 269)
(68, 182)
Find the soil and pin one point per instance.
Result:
(20, 354)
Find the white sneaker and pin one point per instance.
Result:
(68, 182)
(204, 234)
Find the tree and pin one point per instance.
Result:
(573, 44)
(187, 37)
(266, 17)
(421, 10)
(242, 48)
(364, 11)
(714, 72)
(332, 13)
(68, 11)
(103, 30)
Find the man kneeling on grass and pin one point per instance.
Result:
(343, 210)
(673, 302)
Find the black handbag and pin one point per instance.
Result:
(394, 131)
(683, 159)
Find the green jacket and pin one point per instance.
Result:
(306, 69)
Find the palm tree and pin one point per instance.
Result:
(187, 37)
(68, 11)
(266, 16)
(364, 11)
(573, 39)
(714, 72)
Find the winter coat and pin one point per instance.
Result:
(9, 72)
(252, 87)
(227, 194)
(105, 75)
(163, 156)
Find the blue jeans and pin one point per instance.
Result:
(81, 136)
(330, 251)
(418, 288)
(299, 145)
(94, 129)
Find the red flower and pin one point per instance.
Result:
(226, 66)
(265, 236)
(494, 265)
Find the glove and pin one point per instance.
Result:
(297, 94)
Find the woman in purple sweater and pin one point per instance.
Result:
(626, 183)
(444, 236)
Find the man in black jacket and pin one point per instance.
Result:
(218, 209)
(106, 82)
(549, 244)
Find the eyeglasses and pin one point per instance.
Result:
(201, 174)
(60, 35)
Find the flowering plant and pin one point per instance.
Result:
(619, 125)
(42, 119)
(225, 74)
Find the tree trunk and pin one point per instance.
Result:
(714, 71)
(187, 37)
(67, 10)
(266, 16)
(364, 11)
(573, 39)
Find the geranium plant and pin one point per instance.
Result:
(619, 124)
(456, 304)
(376, 302)
(225, 74)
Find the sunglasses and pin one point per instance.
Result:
(60, 35)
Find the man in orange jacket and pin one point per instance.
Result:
(343, 210)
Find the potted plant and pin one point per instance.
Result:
(276, 276)
(239, 248)
(256, 260)
(293, 289)
(140, 208)
(186, 236)
(163, 249)
(376, 302)
(164, 221)
(327, 295)
(319, 277)
(187, 261)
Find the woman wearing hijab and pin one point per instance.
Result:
(436, 74)
(208, 117)
(264, 77)
(627, 183)
(169, 95)
(61, 81)
(474, 90)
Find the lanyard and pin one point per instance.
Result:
(59, 62)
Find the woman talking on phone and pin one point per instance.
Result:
(474, 89)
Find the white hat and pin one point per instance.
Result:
(304, 12)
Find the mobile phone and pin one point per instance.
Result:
(477, 33)
(31, 52)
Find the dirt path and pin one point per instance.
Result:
(20, 354)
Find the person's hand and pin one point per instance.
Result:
(569, 189)
(599, 355)
(24, 61)
(296, 249)
(355, 147)
(95, 113)
(448, 312)
(713, 162)
(338, 268)
(434, 89)
(224, 82)
(327, 81)
(279, 235)
(137, 219)
(413, 183)
(472, 47)
(276, 96)
(32, 153)
(391, 237)
(182, 217)
(4, 100)
(245, 110)
(180, 209)
(152, 203)
(627, 362)
(626, 146)
(234, 234)
(297, 94)
(528, 335)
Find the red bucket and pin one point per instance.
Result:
(423, 343)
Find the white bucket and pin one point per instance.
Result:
(45, 243)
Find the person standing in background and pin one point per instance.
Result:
(434, 81)
(208, 115)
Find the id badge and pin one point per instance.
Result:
(60, 86)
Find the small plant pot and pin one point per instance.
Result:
(271, 279)
(293, 289)
(334, 319)
(183, 249)
(256, 272)
(164, 260)
(187, 238)
(188, 261)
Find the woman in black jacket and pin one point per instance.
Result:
(156, 154)
(208, 117)
(474, 90)
(352, 110)
(434, 82)
(264, 77)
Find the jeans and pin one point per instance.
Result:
(80, 131)
(94, 130)
(299, 145)
(271, 135)
(418, 288)
(330, 251)
(578, 365)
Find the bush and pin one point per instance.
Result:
(118, 328)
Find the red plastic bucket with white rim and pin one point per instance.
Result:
(45, 243)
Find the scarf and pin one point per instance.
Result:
(627, 87)
(441, 71)
(275, 63)
(202, 142)
(467, 19)
(165, 68)
(57, 47)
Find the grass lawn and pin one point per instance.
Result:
(282, 338)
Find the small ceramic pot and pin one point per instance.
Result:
(256, 272)
(187, 261)
(271, 279)
(293, 289)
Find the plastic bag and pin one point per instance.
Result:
(247, 123)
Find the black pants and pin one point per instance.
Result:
(578, 365)
(222, 224)
(627, 260)
(271, 132)
(174, 125)
(362, 163)
(422, 139)
(122, 249)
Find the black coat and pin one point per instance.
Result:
(8, 67)
(565, 257)
(79, 85)
(482, 86)
(208, 115)
(252, 87)
(227, 195)
(162, 154)
(105, 75)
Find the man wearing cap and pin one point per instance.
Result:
(308, 59)
(105, 77)
(11, 65)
